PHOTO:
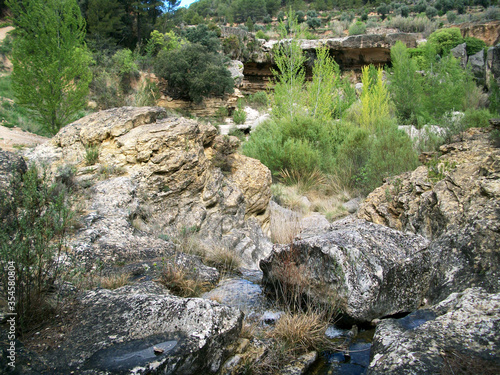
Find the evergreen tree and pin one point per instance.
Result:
(51, 64)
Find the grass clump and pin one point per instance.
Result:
(181, 282)
(91, 154)
(222, 258)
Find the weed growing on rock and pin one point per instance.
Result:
(91, 154)
(181, 283)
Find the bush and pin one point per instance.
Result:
(431, 12)
(258, 99)
(446, 39)
(34, 220)
(474, 45)
(261, 35)
(451, 16)
(193, 73)
(357, 28)
(476, 118)
(239, 116)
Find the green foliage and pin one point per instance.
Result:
(193, 72)
(406, 84)
(374, 99)
(431, 12)
(357, 28)
(202, 35)
(124, 62)
(476, 118)
(51, 64)
(34, 221)
(261, 35)
(290, 76)
(301, 144)
(239, 116)
(451, 16)
(91, 154)
(258, 99)
(445, 39)
(474, 45)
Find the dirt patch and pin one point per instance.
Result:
(12, 139)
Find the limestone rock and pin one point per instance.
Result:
(493, 63)
(10, 163)
(460, 332)
(236, 69)
(118, 331)
(454, 202)
(170, 182)
(477, 65)
(370, 270)
(460, 53)
(301, 364)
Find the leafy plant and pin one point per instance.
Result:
(357, 28)
(91, 154)
(35, 218)
(51, 64)
(239, 116)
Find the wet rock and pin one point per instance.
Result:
(453, 201)
(369, 270)
(300, 365)
(118, 331)
(460, 332)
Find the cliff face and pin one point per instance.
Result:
(487, 32)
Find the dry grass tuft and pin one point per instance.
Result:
(284, 228)
(113, 281)
(181, 283)
(225, 260)
(301, 332)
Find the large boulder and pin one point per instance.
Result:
(461, 332)
(10, 164)
(176, 175)
(368, 270)
(141, 329)
(454, 202)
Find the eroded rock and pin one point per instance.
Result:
(368, 270)
(173, 179)
(460, 332)
(452, 201)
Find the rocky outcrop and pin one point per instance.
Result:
(141, 329)
(369, 270)
(10, 164)
(351, 53)
(462, 332)
(488, 32)
(171, 179)
(493, 63)
(454, 202)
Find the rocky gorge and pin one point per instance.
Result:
(426, 243)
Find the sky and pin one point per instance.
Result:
(186, 3)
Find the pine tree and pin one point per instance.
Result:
(51, 64)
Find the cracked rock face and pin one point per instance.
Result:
(454, 202)
(369, 270)
(463, 331)
(142, 329)
(169, 180)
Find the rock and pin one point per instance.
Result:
(118, 331)
(454, 202)
(368, 270)
(459, 333)
(352, 206)
(171, 183)
(488, 32)
(236, 69)
(422, 135)
(477, 65)
(300, 365)
(495, 123)
(10, 164)
(460, 53)
(493, 63)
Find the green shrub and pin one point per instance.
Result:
(193, 73)
(474, 45)
(91, 154)
(221, 113)
(261, 35)
(357, 28)
(258, 99)
(445, 39)
(476, 118)
(451, 16)
(34, 219)
(239, 116)
(124, 62)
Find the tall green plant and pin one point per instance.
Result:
(34, 218)
(51, 64)
(290, 77)
(374, 99)
(406, 85)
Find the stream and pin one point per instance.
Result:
(245, 293)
